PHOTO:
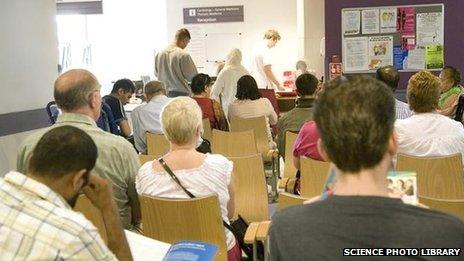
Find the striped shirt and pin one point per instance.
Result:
(402, 110)
(38, 224)
(117, 160)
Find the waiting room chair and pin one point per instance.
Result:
(173, 220)
(157, 144)
(453, 207)
(289, 168)
(313, 176)
(251, 198)
(287, 200)
(234, 144)
(146, 158)
(437, 177)
(92, 213)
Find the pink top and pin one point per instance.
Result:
(306, 142)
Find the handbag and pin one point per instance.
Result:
(237, 227)
(205, 146)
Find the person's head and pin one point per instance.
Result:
(154, 88)
(78, 91)
(306, 84)
(408, 183)
(423, 92)
(272, 37)
(449, 77)
(301, 66)
(181, 120)
(63, 159)
(247, 88)
(389, 75)
(123, 90)
(234, 58)
(355, 117)
(182, 38)
(201, 84)
(400, 184)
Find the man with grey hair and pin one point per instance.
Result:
(77, 94)
(146, 118)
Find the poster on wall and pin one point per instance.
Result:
(356, 58)
(400, 56)
(416, 59)
(434, 56)
(429, 29)
(380, 51)
(196, 47)
(406, 20)
(351, 22)
(388, 20)
(370, 21)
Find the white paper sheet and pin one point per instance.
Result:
(388, 19)
(429, 29)
(415, 59)
(351, 22)
(380, 51)
(370, 21)
(146, 249)
(355, 55)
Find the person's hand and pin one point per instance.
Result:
(100, 192)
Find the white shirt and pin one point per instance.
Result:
(38, 224)
(147, 118)
(261, 58)
(212, 177)
(402, 110)
(226, 85)
(429, 134)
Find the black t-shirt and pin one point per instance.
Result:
(321, 230)
(116, 107)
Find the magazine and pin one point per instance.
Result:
(191, 251)
(404, 185)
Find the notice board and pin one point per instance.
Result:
(409, 37)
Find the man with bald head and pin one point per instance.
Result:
(147, 117)
(77, 94)
(390, 76)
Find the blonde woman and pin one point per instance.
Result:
(225, 86)
(201, 174)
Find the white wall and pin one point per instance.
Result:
(28, 54)
(123, 38)
(260, 15)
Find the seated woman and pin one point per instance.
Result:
(201, 88)
(250, 104)
(450, 78)
(201, 174)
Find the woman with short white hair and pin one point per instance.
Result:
(225, 86)
(201, 174)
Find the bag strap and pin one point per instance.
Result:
(174, 177)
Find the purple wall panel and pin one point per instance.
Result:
(453, 32)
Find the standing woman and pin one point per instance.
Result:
(211, 109)
(450, 78)
(225, 86)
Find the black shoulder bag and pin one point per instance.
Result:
(238, 227)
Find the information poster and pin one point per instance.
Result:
(434, 56)
(406, 25)
(388, 20)
(356, 58)
(429, 29)
(400, 56)
(351, 22)
(370, 21)
(416, 59)
(380, 51)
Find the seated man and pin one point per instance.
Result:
(119, 96)
(390, 76)
(306, 85)
(427, 133)
(36, 217)
(147, 117)
(77, 94)
(358, 138)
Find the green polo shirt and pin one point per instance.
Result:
(117, 160)
(293, 120)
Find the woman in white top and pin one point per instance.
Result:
(225, 86)
(250, 104)
(201, 174)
